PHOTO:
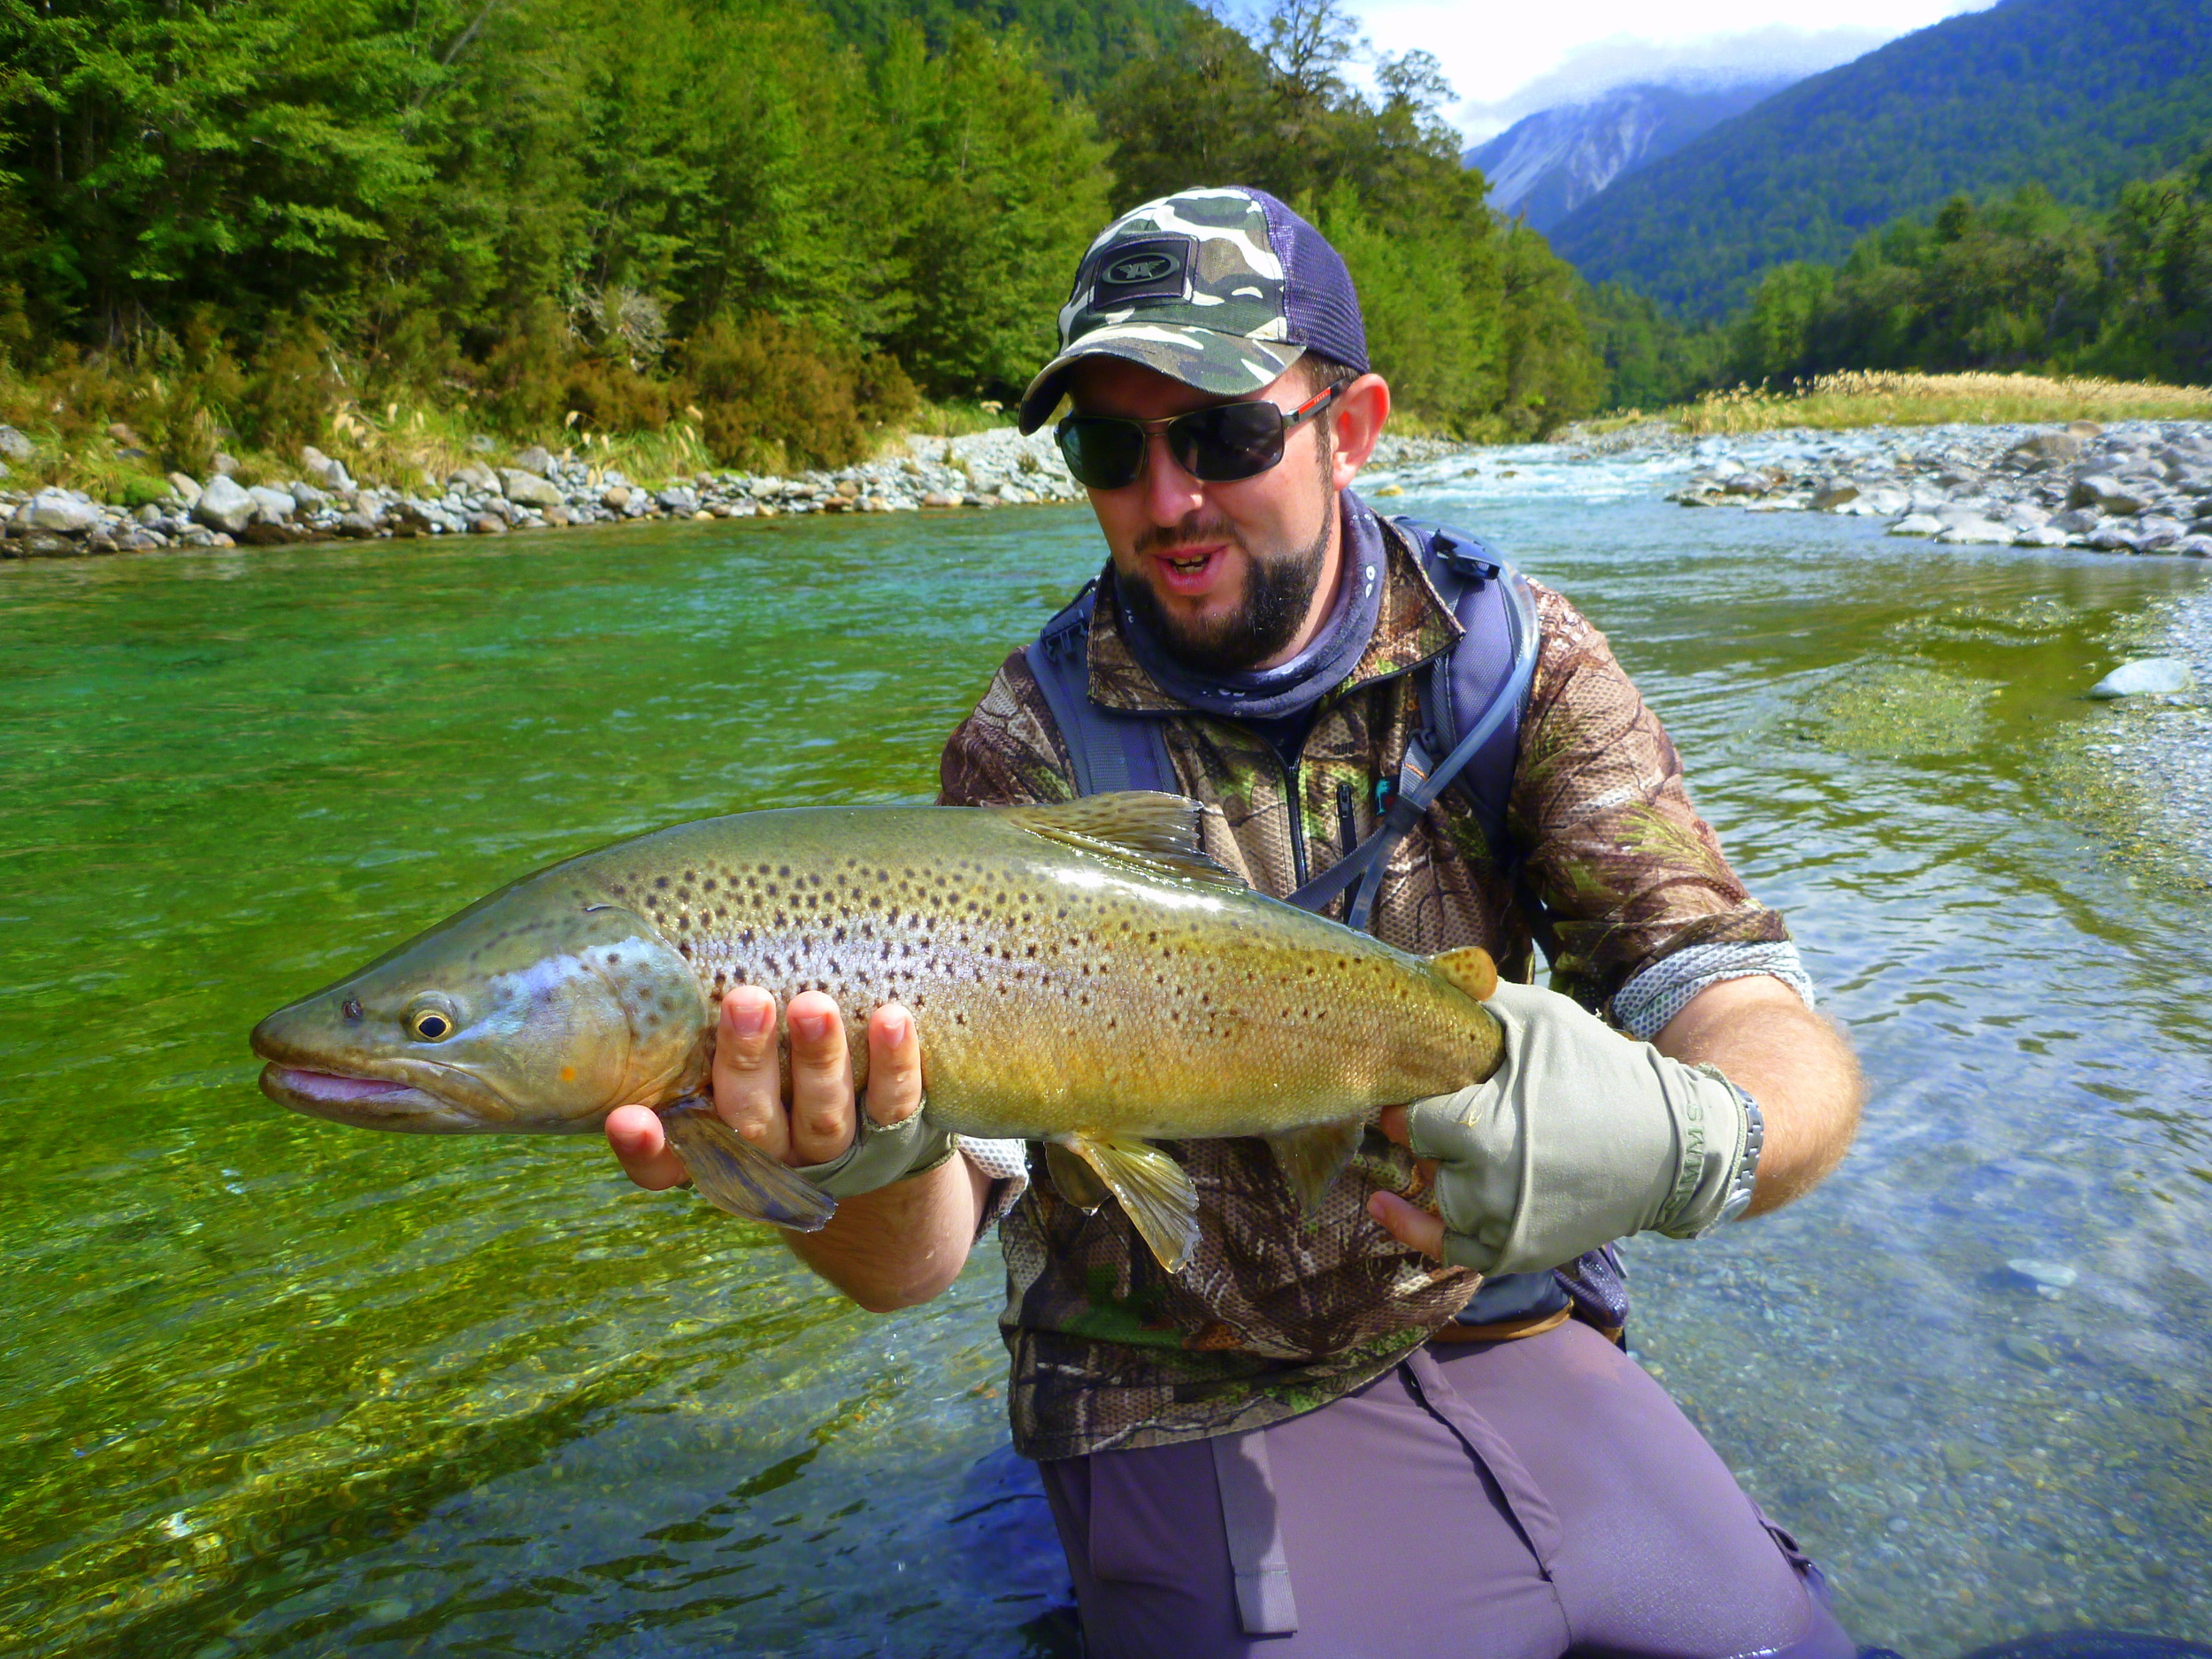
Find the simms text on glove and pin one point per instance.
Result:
(1582, 1136)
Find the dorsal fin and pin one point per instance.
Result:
(1157, 831)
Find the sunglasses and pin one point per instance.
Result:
(1215, 445)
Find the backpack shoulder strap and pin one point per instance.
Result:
(1484, 679)
(1472, 698)
(1110, 749)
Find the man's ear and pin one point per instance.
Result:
(1356, 422)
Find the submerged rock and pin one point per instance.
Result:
(2148, 676)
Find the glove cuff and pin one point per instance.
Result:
(881, 1155)
(1720, 1133)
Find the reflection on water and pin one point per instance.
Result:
(276, 1388)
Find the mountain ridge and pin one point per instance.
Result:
(2078, 95)
(1546, 164)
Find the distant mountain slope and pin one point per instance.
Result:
(2080, 94)
(1084, 41)
(1546, 164)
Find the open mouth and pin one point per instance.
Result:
(365, 1103)
(326, 1086)
(1189, 571)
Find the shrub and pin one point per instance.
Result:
(772, 394)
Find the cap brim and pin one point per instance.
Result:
(1227, 365)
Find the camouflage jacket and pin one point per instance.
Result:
(1278, 1313)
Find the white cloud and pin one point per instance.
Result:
(1507, 61)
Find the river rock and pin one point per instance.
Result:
(2146, 676)
(271, 506)
(940, 498)
(615, 498)
(473, 477)
(2105, 493)
(225, 463)
(679, 499)
(224, 505)
(58, 511)
(13, 445)
(359, 524)
(1832, 495)
(306, 495)
(481, 443)
(526, 489)
(1918, 524)
(1980, 531)
(2197, 547)
(187, 489)
(487, 524)
(40, 544)
(2047, 447)
(534, 459)
(2112, 536)
(2078, 520)
(2049, 1275)
(2041, 535)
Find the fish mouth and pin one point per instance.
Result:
(364, 1102)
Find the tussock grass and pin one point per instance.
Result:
(1861, 397)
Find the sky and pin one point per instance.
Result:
(1508, 61)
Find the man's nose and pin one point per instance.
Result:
(1170, 493)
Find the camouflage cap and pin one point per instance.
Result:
(1221, 289)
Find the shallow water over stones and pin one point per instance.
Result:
(275, 1387)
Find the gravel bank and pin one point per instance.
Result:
(536, 491)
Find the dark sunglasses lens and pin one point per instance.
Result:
(1102, 454)
(1229, 441)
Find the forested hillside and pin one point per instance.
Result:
(2079, 96)
(2019, 281)
(227, 223)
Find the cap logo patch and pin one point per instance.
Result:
(1145, 268)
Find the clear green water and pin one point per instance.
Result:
(269, 1387)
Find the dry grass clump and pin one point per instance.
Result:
(1882, 397)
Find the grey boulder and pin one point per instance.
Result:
(13, 445)
(526, 489)
(273, 506)
(2047, 447)
(58, 511)
(475, 476)
(534, 459)
(225, 505)
(2146, 676)
(2104, 492)
(187, 488)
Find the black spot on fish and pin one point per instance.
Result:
(660, 881)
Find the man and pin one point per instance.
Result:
(1331, 1436)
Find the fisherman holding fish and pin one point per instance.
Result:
(1400, 1424)
(1307, 1214)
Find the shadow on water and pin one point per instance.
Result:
(275, 1388)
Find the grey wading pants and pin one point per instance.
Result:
(1518, 1500)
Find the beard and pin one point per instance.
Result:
(1278, 594)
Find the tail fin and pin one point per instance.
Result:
(1470, 969)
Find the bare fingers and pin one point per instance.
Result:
(1410, 1226)
(747, 1075)
(823, 1118)
(641, 1145)
(894, 1065)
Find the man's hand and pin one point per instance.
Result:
(1582, 1136)
(819, 1124)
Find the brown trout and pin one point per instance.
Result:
(1080, 974)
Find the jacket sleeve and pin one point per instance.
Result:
(1628, 870)
(1007, 752)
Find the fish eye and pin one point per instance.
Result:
(430, 1024)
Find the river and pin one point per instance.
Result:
(272, 1387)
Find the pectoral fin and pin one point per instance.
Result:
(1311, 1159)
(1073, 1179)
(1152, 1189)
(733, 1174)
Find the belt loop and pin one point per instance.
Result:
(1265, 1606)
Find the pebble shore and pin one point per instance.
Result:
(536, 490)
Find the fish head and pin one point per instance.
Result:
(531, 1011)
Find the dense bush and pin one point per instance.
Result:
(226, 221)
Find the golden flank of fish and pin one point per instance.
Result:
(1078, 975)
